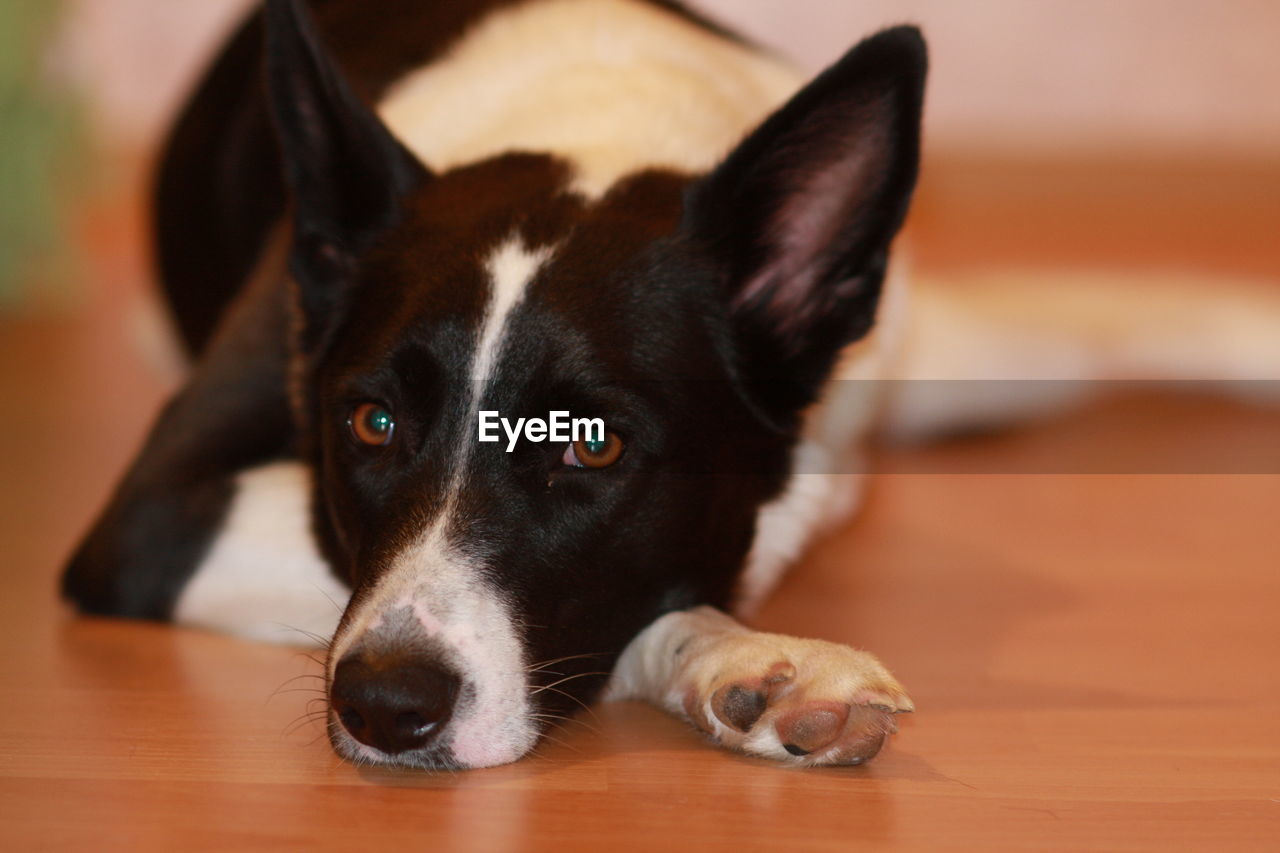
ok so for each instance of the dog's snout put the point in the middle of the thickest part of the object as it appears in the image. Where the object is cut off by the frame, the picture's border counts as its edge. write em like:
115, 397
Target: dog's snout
393, 705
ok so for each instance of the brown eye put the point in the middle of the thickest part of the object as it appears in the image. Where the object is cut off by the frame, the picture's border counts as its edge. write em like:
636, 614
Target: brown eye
372, 424
594, 453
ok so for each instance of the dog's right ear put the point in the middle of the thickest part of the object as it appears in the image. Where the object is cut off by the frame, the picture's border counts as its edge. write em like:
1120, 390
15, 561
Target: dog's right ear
801, 216
347, 173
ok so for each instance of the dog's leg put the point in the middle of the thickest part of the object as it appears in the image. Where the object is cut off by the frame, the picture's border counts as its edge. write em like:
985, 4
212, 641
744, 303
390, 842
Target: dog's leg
801, 701
199, 526
1027, 345
263, 577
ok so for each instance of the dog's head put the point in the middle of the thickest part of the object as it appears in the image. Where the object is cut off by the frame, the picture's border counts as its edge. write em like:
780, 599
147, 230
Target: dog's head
696, 315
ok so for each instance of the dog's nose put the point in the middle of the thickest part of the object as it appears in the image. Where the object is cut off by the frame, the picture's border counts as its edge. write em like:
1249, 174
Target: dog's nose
392, 705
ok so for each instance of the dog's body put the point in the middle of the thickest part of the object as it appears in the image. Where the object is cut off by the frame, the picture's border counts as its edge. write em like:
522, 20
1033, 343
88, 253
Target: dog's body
557, 210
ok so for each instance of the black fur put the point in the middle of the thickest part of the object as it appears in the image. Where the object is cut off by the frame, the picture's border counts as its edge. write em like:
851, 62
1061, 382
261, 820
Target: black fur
348, 177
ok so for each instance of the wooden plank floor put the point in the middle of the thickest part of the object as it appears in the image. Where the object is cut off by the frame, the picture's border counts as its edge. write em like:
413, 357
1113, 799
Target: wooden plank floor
1095, 658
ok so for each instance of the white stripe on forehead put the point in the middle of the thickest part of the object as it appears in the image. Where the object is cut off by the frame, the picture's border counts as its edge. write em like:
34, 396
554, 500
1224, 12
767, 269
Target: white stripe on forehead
510, 269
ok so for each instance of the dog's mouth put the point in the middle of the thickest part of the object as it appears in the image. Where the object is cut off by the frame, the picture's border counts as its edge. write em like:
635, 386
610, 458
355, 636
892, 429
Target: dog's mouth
401, 709
423, 717
432, 758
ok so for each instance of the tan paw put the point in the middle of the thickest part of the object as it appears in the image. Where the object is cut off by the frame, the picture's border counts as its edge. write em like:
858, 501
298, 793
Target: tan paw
801, 701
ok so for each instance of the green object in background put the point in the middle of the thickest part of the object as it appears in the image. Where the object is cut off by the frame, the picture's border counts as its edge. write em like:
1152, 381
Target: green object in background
39, 138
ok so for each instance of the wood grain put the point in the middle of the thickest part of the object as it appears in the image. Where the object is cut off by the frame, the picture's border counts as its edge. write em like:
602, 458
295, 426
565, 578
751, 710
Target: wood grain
1095, 658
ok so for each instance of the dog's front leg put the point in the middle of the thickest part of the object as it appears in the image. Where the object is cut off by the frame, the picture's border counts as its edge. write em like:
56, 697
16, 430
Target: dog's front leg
802, 701
211, 525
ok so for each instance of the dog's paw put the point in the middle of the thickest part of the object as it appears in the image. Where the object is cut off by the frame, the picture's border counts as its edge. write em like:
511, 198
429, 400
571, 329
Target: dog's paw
804, 702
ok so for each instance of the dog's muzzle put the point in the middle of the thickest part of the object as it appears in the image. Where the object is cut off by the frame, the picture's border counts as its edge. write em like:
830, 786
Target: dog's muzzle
429, 672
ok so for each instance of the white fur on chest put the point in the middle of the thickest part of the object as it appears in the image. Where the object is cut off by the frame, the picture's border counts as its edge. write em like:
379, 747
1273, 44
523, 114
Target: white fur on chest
611, 85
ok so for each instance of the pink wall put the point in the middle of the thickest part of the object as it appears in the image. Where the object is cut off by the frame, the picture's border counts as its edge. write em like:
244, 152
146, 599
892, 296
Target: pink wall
1038, 75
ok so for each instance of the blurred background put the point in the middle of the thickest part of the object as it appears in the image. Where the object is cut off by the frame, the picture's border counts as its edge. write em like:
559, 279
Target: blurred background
1047, 75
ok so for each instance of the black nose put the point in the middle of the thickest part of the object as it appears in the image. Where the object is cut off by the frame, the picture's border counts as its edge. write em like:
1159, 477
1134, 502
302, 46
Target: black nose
393, 705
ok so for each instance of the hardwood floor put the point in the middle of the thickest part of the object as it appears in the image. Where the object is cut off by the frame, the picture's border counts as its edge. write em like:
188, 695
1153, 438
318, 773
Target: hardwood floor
1095, 658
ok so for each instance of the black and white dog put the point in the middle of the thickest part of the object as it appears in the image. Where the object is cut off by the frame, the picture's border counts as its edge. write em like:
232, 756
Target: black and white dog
553, 208
603, 207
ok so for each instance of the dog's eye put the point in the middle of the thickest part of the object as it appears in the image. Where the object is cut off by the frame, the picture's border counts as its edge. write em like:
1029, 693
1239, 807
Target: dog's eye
372, 424
593, 453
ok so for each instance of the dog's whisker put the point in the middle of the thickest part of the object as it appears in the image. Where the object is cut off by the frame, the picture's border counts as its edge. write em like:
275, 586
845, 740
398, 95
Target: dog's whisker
303, 677
284, 687
317, 661
310, 712
300, 677
296, 725
558, 719
323, 734
336, 606
572, 676
583, 705
557, 741
316, 690
540, 667
550, 715
315, 638
566, 679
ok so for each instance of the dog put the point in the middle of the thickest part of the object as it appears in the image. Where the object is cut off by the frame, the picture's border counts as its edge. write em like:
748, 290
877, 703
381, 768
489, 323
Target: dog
378, 224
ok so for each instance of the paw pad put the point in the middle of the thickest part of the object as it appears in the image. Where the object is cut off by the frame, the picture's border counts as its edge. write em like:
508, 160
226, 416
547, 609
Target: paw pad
811, 727
741, 704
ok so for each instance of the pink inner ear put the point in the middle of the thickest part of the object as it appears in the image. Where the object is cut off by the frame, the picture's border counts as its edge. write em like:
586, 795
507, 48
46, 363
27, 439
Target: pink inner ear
819, 207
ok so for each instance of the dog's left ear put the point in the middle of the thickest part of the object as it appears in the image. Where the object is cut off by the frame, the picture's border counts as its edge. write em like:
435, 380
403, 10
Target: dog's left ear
801, 215
347, 173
